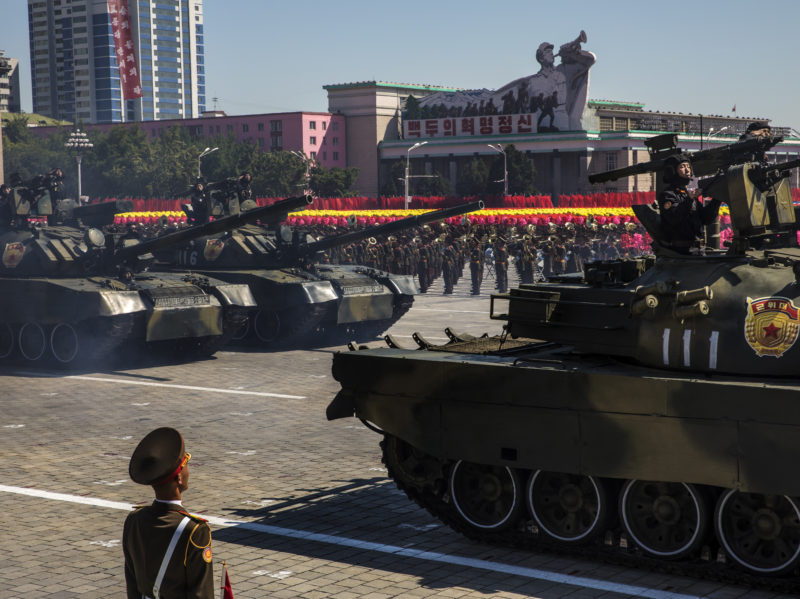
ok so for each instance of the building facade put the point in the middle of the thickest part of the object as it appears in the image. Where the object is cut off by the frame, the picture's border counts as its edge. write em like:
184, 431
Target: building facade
372, 111
611, 135
9, 84
320, 136
75, 65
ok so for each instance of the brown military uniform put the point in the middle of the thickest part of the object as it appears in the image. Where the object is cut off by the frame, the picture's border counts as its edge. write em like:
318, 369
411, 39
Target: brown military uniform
145, 539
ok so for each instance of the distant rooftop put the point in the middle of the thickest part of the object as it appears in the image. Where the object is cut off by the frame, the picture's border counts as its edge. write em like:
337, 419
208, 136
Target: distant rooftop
408, 86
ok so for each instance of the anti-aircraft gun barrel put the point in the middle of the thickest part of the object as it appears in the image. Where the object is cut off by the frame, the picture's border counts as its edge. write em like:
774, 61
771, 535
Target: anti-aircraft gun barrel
267, 214
704, 162
387, 228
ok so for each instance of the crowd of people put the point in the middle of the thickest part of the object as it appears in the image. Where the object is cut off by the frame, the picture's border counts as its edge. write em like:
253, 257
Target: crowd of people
535, 252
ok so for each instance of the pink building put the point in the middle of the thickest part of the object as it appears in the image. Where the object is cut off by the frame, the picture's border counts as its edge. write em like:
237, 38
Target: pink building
318, 135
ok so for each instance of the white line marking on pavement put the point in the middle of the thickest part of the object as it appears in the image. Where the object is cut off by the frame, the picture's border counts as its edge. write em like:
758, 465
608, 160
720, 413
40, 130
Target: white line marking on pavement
450, 311
171, 386
112, 543
469, 562
14, 426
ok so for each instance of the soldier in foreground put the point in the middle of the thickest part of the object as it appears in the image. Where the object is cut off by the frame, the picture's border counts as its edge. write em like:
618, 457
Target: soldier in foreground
167, 550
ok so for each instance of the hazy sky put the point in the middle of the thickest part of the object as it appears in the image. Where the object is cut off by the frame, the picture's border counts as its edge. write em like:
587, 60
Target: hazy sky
703, 56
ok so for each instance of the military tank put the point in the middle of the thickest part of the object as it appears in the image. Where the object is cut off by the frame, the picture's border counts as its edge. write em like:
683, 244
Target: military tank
74, 294
301, 301
646, 412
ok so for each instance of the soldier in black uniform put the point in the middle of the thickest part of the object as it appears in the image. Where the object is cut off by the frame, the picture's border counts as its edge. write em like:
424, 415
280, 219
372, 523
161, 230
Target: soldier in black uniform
501, 265
682, 214
167, 550
476, 267
6, 201
200, 202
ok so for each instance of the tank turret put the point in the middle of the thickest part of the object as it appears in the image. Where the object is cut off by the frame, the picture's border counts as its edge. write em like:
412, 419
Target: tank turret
646, 411
301, 300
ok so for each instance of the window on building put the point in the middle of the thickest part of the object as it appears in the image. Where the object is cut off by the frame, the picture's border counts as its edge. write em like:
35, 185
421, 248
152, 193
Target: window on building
336, 141
336, 155
312, 155
276, 126
245, 128
276, 142
335, 125
312, 124
312, 141
611, 161
620, 124
324, 141
230, 128
324, 155
324, 125
606, 123
261, 126
260, 142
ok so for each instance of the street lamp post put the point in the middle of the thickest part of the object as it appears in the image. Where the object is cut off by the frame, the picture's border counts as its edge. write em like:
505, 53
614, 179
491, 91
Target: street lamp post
79, 143
408, 164
711, 132
500, 149
205, 152
307, 163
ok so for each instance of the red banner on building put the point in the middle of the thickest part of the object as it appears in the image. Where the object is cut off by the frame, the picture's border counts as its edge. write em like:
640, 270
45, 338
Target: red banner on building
126, 52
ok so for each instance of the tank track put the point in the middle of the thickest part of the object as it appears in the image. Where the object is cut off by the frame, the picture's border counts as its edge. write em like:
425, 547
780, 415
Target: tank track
427, 487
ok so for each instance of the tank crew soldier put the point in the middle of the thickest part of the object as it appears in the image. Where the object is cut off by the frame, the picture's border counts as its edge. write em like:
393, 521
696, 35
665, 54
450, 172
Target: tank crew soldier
56, 185
167, 550
245, 192
755, 130
682, 214
200, 201
476, 267
501, 266
6, 200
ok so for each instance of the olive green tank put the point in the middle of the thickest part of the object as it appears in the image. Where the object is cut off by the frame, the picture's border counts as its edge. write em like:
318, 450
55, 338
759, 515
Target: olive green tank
300, 301
649, 410
74, 295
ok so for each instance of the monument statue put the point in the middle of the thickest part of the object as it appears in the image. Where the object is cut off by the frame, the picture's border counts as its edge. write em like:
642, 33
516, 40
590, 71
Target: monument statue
557, 95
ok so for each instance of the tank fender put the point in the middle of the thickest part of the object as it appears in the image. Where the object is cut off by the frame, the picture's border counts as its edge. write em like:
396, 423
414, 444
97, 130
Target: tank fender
400, 284
121, 302
342, 406
234, 295
318, 292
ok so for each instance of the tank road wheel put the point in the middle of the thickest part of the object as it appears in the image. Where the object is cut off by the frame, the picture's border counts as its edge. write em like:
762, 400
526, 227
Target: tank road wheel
760, 532
572, 508
32, 341
7, 340
267, 325
666, 520
485, 497
409, 466
64, 343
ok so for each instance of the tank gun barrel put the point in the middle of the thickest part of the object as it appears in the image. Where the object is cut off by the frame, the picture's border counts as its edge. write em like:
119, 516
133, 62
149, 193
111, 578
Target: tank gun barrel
388, 228
267, 214
704, 162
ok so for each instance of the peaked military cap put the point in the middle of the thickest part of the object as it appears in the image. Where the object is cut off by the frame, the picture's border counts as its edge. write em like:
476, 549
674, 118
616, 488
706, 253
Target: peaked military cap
756, 125
158, 457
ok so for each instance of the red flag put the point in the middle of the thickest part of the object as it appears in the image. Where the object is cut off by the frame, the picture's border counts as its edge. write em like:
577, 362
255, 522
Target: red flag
126, 53
227, 591
734, 108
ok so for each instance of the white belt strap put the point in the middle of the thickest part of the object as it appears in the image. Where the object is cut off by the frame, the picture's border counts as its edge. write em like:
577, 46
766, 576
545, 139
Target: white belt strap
170, 550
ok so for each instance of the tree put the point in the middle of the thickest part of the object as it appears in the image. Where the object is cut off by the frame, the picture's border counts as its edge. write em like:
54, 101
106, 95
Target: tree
393, 185
436, 185
412, 109
333, 182
473, 178
521, 173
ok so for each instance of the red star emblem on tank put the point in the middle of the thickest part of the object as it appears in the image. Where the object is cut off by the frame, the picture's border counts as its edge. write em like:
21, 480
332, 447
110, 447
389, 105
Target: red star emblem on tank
213, 249
13, 253
771, 325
